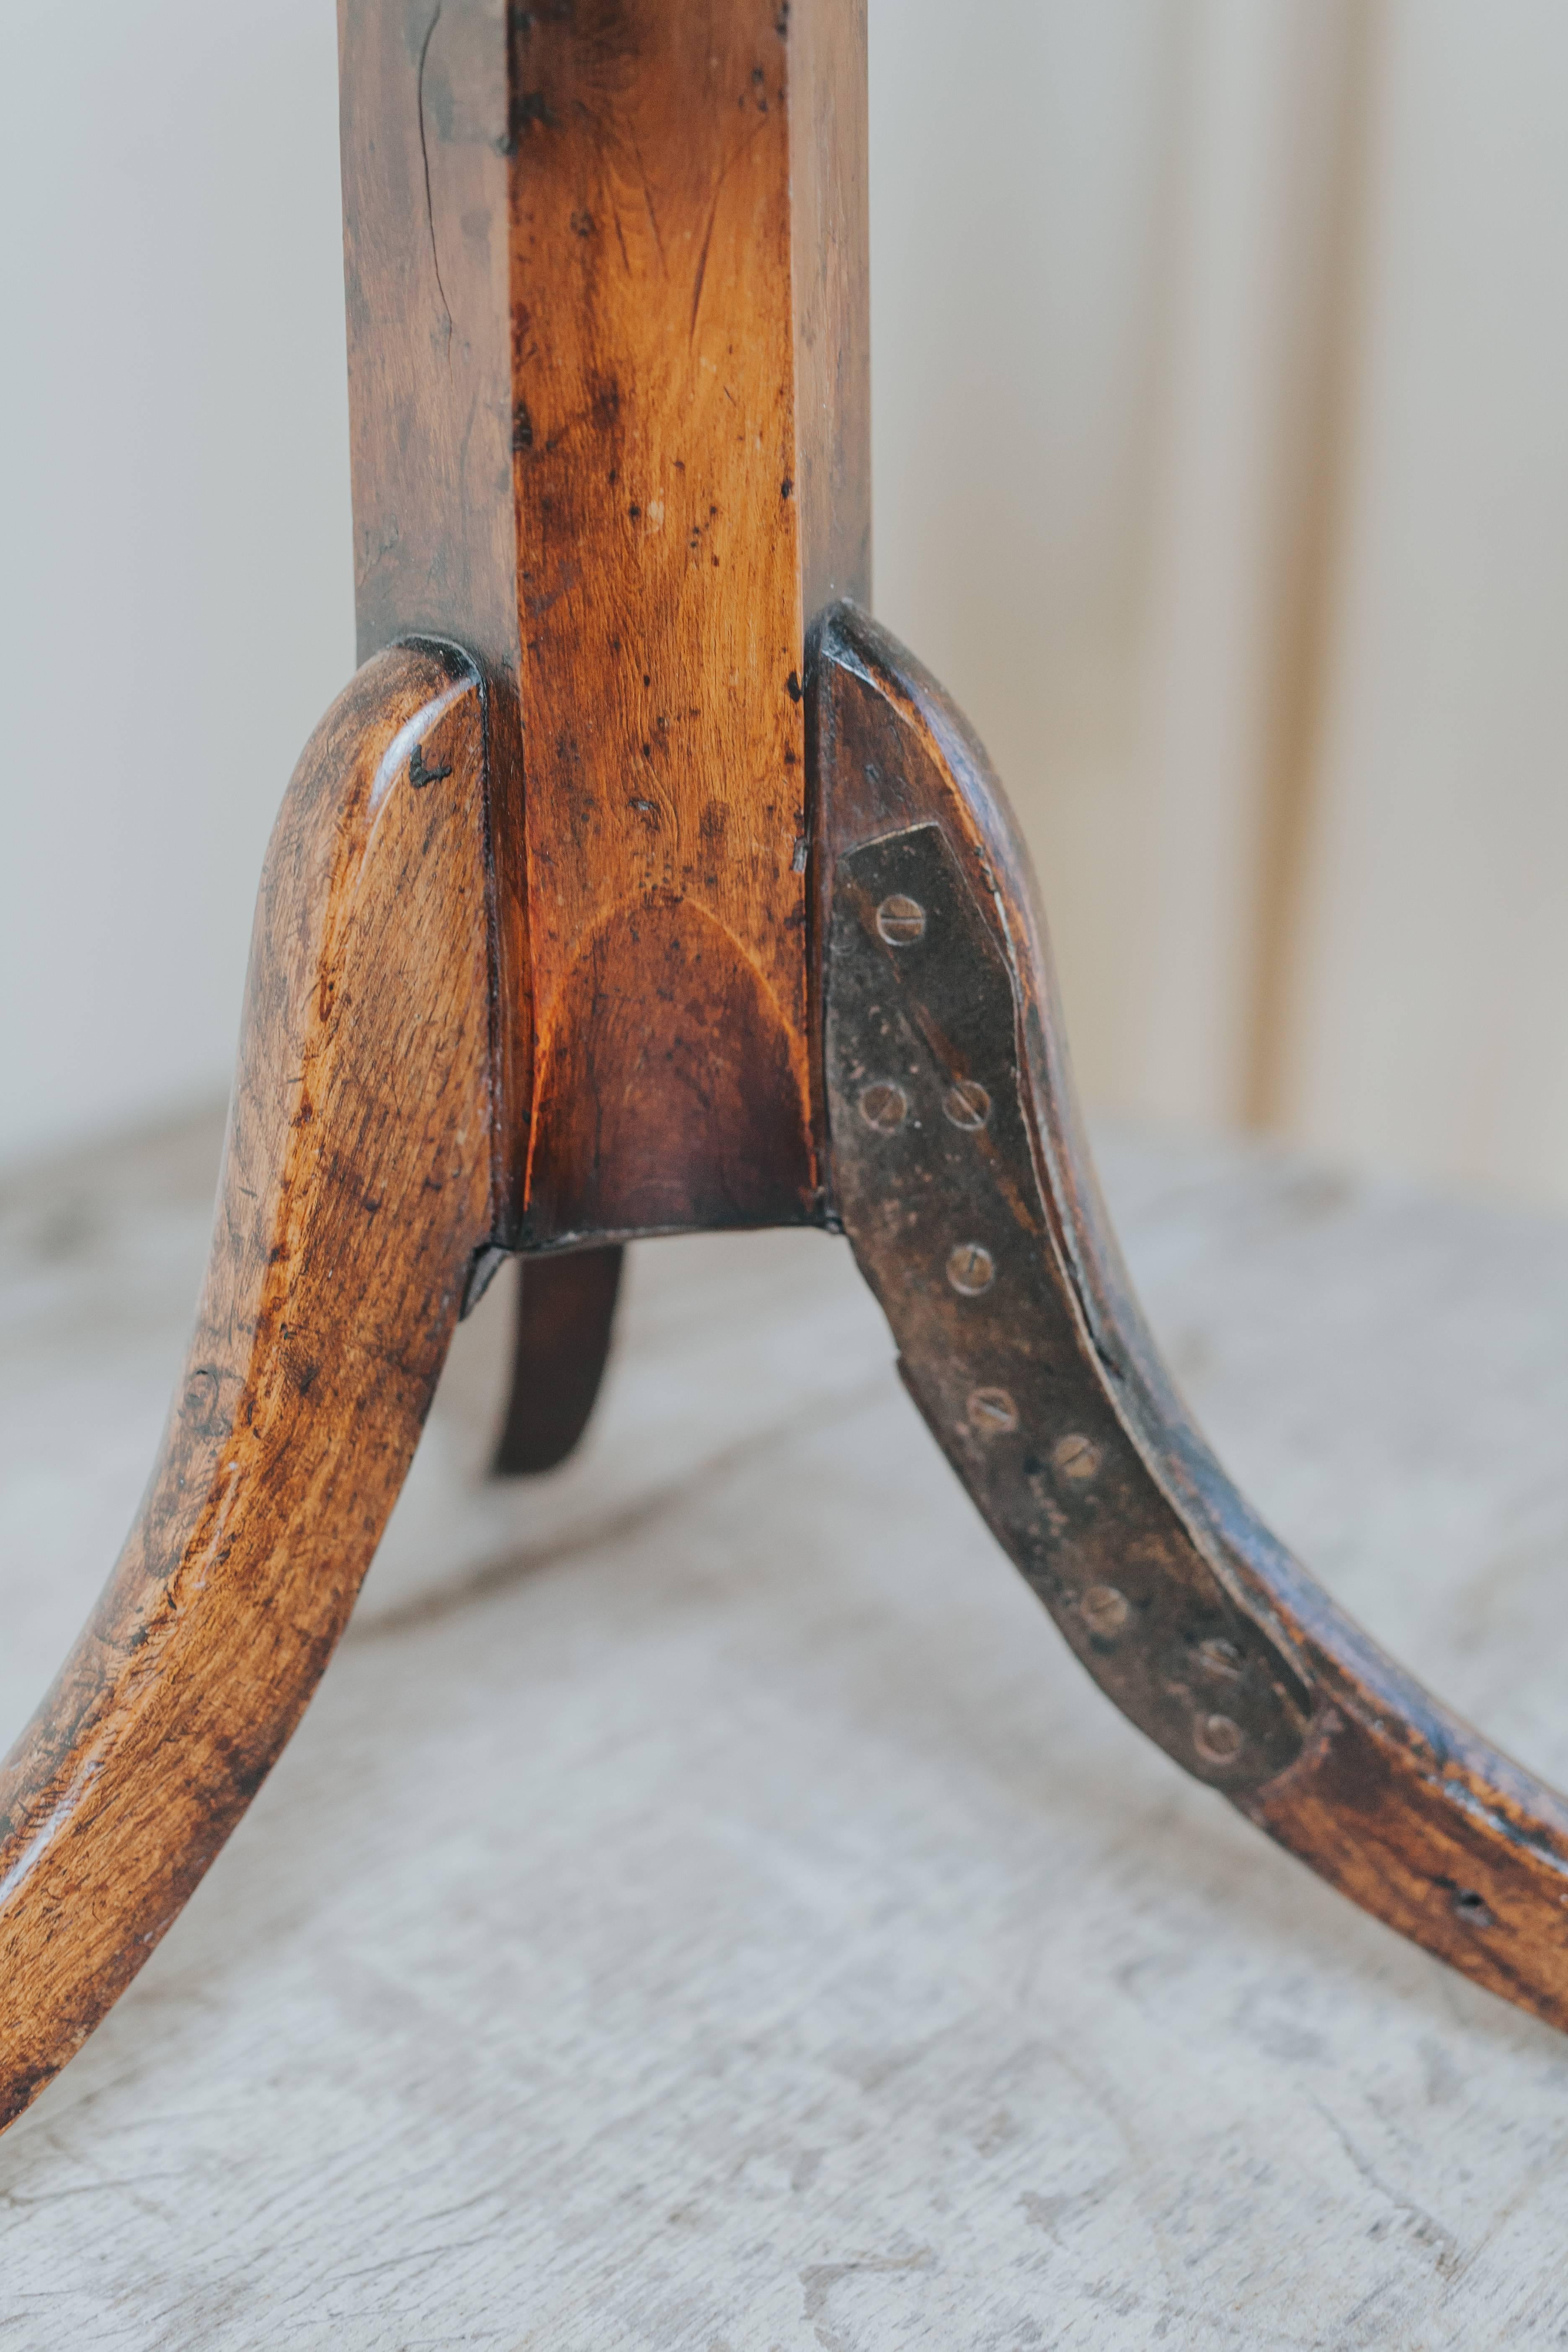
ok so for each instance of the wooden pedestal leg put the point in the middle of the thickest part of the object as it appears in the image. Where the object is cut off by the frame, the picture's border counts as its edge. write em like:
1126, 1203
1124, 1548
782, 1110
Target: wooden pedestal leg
565, 1314
963, 1181
356, 1188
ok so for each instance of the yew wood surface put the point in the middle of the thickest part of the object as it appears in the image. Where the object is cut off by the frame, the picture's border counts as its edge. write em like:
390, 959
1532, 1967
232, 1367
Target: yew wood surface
1393, 1799
661, 573
356, 1184
609, 395
424, 138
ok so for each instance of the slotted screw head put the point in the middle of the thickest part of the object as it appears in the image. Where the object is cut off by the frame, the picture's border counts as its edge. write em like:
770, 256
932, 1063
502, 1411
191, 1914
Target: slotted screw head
967, 1105
902, 921
1075, 1456
1216, 1738
1220, 1660
992, 1412
883, 1105
1104, 1610
971, 1268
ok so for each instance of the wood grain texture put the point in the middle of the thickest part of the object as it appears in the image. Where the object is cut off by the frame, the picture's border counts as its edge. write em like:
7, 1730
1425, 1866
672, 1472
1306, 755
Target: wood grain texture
706, 1904
357, 1183
660, 452
608, 374
423, 97
1393, 1799
425, 117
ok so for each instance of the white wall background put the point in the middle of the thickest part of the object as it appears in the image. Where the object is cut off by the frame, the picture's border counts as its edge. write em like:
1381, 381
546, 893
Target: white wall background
177, 591
1221, 417
1222, 434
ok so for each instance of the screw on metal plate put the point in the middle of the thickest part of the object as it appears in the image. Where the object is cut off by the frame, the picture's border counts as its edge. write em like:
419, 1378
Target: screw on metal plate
956, 1229
1104, 1610
902, 921
1217, 1738
992, 1412
883, 1106
1075, 1456
971, 1270
966, 1104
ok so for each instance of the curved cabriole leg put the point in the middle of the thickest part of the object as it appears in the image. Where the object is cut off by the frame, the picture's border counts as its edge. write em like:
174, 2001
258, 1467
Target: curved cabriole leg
355, 1188
963, 1181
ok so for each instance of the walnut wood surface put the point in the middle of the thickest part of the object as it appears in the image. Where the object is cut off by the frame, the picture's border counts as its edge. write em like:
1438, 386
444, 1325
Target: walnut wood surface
356, 1184
608, 336
1389, 1797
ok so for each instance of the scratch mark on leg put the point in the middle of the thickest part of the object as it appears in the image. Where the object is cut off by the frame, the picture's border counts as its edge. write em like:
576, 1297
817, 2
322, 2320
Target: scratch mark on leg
727, 168
620, 233
702, 266
425, 159
648, 200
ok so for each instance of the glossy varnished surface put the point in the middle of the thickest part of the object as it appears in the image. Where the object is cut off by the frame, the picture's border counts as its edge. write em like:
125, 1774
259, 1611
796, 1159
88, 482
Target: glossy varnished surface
357, 1183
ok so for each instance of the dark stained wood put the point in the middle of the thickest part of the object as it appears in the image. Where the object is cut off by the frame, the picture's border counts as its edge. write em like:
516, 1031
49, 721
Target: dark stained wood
1388, 1796
608, 338
357, 1183
937, 1181
565, 1313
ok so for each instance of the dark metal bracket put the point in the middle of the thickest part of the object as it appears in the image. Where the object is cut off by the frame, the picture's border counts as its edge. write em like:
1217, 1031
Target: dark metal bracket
944, 1206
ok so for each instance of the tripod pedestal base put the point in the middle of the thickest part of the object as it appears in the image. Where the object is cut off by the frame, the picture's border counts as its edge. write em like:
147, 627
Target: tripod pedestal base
734, 1761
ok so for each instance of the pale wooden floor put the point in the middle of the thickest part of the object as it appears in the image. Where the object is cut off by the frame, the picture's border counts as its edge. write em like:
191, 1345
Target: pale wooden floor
707, 1909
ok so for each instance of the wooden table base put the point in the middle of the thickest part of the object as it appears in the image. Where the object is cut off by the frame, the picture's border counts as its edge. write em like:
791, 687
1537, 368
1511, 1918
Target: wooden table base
638, 884
706, 1903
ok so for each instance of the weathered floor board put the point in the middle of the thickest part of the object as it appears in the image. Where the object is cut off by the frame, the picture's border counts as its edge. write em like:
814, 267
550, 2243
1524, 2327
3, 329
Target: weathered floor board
706, 1908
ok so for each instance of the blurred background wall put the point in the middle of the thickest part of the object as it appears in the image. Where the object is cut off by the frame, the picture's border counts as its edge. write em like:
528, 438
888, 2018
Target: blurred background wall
1221, 419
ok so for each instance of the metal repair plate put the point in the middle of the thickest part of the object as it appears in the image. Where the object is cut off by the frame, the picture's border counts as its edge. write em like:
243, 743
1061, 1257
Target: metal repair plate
939, 1192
